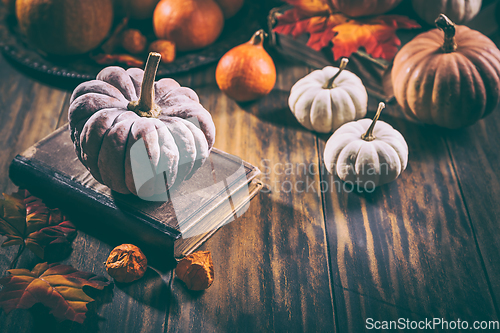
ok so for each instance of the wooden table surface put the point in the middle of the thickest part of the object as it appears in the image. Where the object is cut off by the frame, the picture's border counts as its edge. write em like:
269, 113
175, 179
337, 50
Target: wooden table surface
424, 246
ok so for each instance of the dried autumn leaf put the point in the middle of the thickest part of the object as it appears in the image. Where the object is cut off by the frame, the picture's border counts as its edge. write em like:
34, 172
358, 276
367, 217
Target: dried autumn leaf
58, 287
26, 221
377, 35
196, 270
110, 59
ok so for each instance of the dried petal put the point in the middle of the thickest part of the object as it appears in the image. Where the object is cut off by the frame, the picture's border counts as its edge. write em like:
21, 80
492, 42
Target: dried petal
196, 270
126, 263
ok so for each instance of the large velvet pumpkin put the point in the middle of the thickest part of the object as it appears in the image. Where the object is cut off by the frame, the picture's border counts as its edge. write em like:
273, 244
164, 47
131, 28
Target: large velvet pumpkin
449, 79
107, 118
357, 8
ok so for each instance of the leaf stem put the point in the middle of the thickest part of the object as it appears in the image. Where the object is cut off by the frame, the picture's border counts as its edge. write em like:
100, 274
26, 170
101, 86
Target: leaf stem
16, 258
368, 136
343, 64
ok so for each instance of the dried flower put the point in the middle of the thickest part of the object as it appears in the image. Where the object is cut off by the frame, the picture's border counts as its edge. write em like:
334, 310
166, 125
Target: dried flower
164, 47
126, 263
196, 270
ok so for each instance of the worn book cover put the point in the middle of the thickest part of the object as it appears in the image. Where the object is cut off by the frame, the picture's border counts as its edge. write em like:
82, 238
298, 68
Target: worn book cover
217, 193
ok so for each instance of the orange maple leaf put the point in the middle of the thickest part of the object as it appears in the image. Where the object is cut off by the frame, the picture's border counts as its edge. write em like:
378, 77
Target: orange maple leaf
377, 35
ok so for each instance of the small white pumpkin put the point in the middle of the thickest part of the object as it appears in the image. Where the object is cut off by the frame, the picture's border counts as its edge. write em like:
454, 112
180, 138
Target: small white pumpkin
368, 155
325, 99
459, 11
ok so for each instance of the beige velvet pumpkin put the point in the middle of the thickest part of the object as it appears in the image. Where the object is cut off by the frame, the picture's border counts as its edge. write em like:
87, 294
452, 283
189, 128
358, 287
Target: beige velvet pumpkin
327, 98
366, 153
107, 118
459, 11
448, 79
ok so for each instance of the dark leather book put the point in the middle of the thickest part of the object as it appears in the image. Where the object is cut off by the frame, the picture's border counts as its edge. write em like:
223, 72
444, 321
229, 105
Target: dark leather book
216, 194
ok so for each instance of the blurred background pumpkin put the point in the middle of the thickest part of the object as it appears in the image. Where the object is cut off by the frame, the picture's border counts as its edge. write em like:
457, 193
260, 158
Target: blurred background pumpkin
65, 27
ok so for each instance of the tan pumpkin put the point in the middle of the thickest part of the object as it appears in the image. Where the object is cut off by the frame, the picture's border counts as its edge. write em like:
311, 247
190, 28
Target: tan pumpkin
107, 118
65, 27
448, 78
190, 24
357, 8
459, 11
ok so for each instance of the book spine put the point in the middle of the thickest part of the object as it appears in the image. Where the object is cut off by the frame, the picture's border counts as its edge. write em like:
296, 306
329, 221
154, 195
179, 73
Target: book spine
89, 210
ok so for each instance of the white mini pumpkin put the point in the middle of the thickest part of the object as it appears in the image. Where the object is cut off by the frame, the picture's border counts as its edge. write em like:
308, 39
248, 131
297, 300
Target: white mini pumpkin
459, 11
365, 154
325, 99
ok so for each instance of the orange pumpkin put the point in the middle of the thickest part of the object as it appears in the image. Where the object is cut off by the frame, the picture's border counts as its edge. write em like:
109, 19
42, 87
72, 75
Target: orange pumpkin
190, 24
357, 8
246, 72
451, 79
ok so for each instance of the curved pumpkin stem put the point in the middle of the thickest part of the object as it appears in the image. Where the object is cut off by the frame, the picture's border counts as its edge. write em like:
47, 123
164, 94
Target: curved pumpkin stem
258, 37
368, 136
145, 106
343, 64
448, 27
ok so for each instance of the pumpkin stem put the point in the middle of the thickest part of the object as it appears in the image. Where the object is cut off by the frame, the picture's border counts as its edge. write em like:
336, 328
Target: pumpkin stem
145, 106
368, 136
343, 64
448, 27
258, 37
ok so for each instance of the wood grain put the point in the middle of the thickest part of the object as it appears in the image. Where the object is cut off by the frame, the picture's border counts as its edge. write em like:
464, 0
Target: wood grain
409, 244
475, 152
29, 111
271, 272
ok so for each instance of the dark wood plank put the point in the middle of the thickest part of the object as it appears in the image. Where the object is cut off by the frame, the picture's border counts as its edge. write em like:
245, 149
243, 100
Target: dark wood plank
29, 111
271, 264
408, 244
476, 157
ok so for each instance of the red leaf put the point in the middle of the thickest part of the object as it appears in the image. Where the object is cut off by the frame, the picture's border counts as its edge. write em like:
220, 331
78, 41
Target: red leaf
58, 287
25, 219
377, 35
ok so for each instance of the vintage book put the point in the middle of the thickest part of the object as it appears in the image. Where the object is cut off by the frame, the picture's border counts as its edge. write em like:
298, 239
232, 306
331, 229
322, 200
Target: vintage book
216, 193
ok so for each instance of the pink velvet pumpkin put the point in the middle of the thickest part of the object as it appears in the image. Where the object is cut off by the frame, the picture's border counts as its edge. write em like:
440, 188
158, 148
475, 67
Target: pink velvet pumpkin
107, 116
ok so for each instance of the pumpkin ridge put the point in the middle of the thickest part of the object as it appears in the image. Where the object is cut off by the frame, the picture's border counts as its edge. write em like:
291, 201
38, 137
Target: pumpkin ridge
119, 78
91, 86
96, 174
118, 185
386, 157
182, 142
399, 152
484, 65
374, 159
88, 105
476, 93
415, 92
